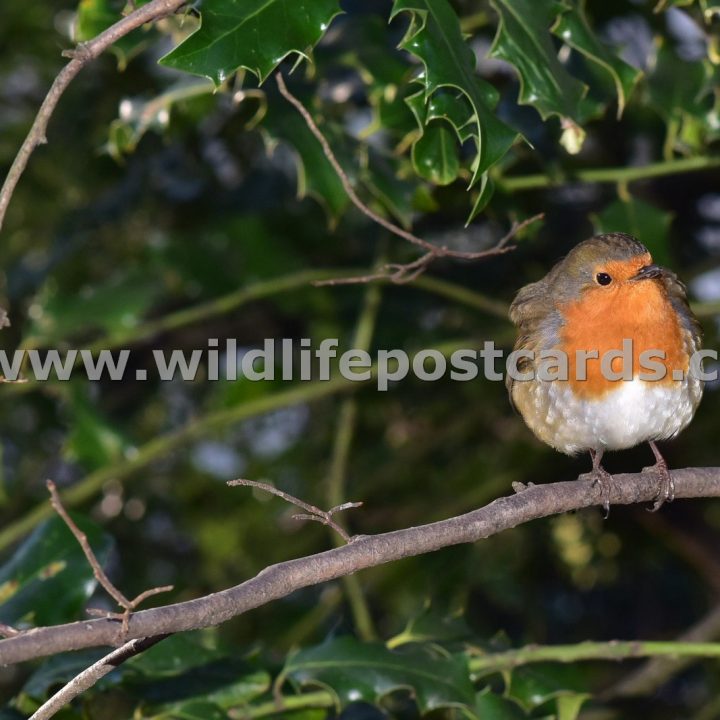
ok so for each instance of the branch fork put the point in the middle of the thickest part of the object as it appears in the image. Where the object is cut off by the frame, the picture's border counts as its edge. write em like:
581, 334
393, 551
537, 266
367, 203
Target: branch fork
397, 273
311, 511
125, 603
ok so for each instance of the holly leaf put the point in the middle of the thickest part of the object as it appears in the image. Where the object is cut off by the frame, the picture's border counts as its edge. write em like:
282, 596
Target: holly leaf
683, 93
355, 671
490, 706
395, 194
92, 440
468, 102
253, 34
58, 670
315, 175
116, 307
48, 579
569, 705
573, 28
524, 40
533, 686
435, 155
432, 626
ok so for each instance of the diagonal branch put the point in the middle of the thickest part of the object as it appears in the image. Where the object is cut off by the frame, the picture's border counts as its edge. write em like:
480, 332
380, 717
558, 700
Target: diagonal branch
127, 605
397, 273
278, 581
88, 677
79, 58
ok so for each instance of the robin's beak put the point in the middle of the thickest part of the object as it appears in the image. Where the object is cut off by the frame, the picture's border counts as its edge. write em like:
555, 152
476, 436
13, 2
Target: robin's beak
649, 272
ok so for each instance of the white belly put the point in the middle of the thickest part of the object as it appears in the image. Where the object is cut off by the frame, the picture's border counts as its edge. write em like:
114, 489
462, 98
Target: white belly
635, 412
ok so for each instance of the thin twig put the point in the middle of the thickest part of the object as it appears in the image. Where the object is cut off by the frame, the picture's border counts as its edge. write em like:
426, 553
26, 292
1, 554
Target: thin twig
81, 56
344, 179
400, 273
88, 677
395, 272
280, 580
127, 605
81, 537
311, 511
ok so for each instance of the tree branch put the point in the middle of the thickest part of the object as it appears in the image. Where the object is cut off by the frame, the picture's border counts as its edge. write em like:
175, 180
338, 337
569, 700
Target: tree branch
280, 580
125, 603
79, 58
88, 677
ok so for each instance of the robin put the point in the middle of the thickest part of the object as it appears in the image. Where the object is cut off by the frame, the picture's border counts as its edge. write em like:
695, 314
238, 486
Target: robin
604, 294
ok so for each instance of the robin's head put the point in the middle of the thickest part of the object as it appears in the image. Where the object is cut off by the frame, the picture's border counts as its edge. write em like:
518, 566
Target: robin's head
602, 265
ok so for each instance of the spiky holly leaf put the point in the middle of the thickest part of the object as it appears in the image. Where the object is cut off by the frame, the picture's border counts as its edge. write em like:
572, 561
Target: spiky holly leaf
355, 671
468, 102
573, 28
48, 579
524, 40
315, 175
435, 155
253, 34
534, 686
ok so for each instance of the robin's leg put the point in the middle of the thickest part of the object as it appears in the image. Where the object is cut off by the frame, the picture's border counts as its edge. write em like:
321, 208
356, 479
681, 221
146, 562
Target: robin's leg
666, 486
599, 476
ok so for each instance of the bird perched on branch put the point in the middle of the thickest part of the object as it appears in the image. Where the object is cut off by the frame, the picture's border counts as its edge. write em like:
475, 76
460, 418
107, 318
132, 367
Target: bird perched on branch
605, 292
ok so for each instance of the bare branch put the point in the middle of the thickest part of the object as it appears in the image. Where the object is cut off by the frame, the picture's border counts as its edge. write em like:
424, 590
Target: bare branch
311, 511
87, 678
127, 605
277, 581
80, 56
394, 272
344, 179
400, 273
81, 537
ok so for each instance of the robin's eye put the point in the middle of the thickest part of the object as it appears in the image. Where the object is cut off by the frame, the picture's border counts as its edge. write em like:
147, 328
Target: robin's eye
603, 279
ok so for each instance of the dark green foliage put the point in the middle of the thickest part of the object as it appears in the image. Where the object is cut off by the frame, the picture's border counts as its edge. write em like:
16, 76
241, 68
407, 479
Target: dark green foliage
186, 201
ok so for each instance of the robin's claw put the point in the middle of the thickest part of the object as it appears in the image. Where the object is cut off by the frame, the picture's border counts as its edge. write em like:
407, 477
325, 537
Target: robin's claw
666, 484
602, 478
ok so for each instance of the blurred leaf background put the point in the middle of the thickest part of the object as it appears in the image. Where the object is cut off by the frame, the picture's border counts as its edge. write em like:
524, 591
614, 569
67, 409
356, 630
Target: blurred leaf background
185, 200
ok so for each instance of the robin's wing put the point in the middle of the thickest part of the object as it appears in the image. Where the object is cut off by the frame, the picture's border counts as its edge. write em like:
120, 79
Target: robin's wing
677, 293
528, 312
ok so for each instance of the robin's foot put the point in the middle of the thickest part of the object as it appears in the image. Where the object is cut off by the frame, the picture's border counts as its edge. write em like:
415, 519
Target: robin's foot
666, 485
601, 477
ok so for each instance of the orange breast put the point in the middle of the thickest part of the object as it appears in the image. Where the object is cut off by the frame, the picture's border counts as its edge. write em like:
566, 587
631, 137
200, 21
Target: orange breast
603, 317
